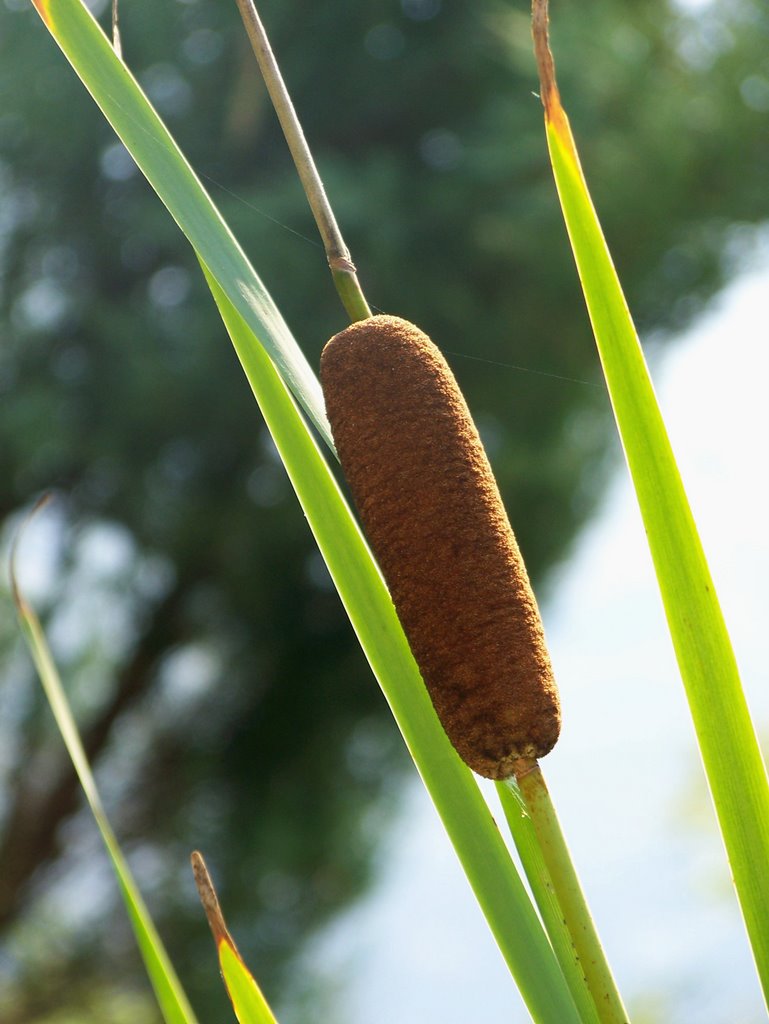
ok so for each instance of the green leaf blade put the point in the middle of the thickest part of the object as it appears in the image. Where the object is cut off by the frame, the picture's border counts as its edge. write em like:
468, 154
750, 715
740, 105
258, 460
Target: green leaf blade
247, 998
149, 142
726, 736
171, 998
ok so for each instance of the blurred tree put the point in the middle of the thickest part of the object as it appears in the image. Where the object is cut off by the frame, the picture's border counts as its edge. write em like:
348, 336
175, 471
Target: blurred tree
219, 687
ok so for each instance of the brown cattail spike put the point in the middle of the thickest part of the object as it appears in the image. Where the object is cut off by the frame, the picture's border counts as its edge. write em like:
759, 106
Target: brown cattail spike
432, 512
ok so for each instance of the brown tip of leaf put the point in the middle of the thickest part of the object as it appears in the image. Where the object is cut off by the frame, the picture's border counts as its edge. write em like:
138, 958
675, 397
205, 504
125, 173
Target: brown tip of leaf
42, 10
551, 99
209, 899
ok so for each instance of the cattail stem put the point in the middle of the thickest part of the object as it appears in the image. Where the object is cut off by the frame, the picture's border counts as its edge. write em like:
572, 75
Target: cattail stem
337, 253
349, 290
530, 783
543, 890
116, 43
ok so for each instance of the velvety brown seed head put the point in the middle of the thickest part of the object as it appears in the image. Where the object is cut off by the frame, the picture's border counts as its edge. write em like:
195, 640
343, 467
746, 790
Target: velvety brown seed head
431, 509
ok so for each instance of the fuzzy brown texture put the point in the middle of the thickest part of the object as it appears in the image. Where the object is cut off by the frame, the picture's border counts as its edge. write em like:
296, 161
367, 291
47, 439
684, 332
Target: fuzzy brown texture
431, 509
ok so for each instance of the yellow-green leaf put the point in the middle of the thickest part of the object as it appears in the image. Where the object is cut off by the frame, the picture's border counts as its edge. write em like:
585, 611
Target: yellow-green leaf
168, 990
727, 739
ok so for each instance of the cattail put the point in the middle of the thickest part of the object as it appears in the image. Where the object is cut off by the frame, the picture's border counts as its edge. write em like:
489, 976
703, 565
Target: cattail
431, 509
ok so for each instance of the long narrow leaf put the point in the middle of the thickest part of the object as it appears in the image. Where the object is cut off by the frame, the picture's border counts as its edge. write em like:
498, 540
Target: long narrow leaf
170, 995
247, 998
727, 739
451, 785
150, 144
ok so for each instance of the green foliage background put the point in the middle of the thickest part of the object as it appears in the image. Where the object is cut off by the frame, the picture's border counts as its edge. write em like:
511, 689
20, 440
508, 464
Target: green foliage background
179, 550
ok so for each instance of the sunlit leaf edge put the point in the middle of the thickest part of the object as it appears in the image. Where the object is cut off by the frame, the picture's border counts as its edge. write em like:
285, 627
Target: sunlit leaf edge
725, 732
171, 998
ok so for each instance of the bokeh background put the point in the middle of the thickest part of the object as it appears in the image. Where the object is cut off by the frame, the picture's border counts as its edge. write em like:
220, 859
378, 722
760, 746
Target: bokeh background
222, 697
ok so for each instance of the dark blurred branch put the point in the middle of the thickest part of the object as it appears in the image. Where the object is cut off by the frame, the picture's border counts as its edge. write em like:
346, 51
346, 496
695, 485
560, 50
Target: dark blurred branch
29, 838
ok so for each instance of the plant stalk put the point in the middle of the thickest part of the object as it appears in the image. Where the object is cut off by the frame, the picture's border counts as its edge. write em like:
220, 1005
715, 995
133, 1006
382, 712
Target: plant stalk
338, 255
116, 42
543, 890
568, 890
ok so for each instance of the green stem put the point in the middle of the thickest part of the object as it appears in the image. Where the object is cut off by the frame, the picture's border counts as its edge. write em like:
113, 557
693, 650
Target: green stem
116, 44
543, 890
349, 291
571, 899
337, 253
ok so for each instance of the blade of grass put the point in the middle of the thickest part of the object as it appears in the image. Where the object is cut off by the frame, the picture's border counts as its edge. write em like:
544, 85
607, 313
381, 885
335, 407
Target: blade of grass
159, 158
170, 995
451, 785
247, 998
728, 744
